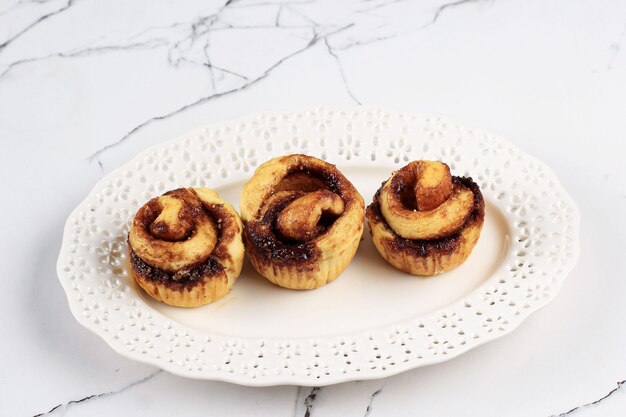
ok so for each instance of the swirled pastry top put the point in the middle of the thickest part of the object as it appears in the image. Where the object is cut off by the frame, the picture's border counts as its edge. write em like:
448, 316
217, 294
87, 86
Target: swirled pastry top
422, 202
183, 227
297, 207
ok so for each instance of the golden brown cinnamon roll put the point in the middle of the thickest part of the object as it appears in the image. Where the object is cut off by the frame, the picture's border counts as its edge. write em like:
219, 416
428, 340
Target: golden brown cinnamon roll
303, 221
424, 221
185, 247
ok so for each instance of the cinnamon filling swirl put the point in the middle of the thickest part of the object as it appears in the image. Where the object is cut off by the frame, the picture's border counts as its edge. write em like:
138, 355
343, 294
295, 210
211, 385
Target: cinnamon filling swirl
296, 212
425, 221
186, 241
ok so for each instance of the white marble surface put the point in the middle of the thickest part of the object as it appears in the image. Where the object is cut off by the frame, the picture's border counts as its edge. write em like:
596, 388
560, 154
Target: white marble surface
86, 84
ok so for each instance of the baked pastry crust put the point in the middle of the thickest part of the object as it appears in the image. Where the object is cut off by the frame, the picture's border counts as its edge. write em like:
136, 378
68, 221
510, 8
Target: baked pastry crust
186, 247
424, 221
303, 221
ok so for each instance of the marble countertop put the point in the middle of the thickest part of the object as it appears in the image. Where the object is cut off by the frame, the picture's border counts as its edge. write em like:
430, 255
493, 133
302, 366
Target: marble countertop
87, 84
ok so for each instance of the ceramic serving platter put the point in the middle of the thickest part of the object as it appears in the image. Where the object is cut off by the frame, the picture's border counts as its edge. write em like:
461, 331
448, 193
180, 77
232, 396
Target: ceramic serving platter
373, 321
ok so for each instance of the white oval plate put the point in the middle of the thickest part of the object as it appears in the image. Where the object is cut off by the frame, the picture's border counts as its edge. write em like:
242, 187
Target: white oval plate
372, 322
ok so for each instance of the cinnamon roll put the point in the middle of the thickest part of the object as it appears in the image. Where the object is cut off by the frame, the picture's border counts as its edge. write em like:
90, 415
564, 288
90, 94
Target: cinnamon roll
424, 221
185, 247
303, 221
